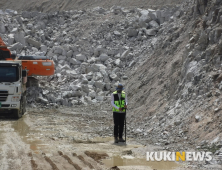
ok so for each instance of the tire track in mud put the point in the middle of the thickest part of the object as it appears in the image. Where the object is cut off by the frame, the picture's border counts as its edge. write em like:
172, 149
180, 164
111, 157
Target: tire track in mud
54, 167
33, 164
70, 161
80, 157
96, 156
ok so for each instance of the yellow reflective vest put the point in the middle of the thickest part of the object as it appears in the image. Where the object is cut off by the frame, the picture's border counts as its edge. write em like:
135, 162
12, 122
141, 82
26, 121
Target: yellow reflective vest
120, 103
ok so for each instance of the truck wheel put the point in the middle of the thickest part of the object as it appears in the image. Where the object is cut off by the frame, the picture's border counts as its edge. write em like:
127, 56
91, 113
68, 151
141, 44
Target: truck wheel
18, 113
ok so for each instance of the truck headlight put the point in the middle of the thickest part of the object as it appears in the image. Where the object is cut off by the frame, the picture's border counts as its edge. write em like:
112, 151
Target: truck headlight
15, 98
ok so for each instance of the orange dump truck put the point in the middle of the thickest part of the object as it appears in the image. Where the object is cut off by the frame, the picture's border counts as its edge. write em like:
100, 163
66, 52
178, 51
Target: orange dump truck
35, 65
13, 76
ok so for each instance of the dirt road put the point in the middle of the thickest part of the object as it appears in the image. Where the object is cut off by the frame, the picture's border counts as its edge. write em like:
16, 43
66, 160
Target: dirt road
68, 139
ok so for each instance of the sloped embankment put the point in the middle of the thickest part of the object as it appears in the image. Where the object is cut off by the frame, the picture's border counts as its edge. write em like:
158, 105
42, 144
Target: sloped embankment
176, 92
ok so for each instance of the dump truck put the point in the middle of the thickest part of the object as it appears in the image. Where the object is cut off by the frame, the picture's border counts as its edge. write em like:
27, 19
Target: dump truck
15, 75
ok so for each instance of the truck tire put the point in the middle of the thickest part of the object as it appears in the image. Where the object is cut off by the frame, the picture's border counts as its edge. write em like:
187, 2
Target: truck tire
18, 113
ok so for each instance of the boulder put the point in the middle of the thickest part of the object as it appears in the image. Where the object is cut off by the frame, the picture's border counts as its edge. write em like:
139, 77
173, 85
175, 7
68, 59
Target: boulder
132, 32
144, 20
99, 98
80, 57
26, 14
92, 94
61, 57
117, 33
77, 94
16, 46
154, 24
85, 88
2, 28
103, 57
118, 62
11, 39
33, 42
113, 76
69, 54
99, 84
125, 54
20, 37
71, 73
43, 48
151, 32
42, 100
99, 10
74, 61
66, 67
58, 50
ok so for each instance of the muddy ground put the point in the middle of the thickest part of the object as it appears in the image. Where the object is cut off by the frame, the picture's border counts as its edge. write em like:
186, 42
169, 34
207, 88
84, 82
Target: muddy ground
70, 138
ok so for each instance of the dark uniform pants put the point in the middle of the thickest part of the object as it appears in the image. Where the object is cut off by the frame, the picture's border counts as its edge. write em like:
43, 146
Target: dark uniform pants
118, 119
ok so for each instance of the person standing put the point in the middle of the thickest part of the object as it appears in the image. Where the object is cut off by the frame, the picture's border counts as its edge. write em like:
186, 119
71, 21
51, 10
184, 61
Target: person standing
119, 103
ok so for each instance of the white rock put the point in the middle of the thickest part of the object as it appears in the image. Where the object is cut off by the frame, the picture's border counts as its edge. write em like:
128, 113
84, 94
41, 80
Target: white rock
33, 42
99, 50
71, 73
99, 84
69, 53
97, 76
74, 61
125, 54
66, 67
85, 88
144, 20
154, 24
98, 67
43, 48
92, 94
118, 62
117, 33
61, 57
113, 76
11, 39
132, 63
58, 50
151, 32
55, 58
14, 30
2, 27
16, 46
99, 98
42, 100
20, 37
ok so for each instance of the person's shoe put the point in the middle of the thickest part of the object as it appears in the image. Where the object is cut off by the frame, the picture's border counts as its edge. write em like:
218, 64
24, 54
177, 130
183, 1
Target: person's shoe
121, 140
116, 140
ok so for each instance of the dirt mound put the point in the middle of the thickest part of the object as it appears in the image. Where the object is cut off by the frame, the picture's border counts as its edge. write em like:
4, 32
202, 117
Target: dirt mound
60, 5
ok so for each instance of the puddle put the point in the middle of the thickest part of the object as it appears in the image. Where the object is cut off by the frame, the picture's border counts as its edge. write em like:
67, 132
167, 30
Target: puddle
120, 161
102, 139
28, 136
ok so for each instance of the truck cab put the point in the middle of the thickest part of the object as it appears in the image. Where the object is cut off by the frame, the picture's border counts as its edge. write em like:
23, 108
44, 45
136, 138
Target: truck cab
12, 88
